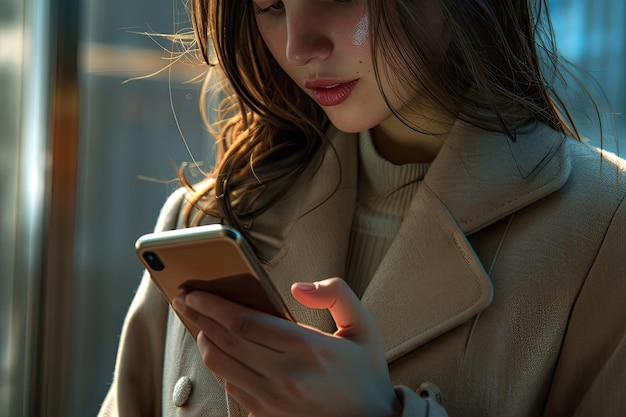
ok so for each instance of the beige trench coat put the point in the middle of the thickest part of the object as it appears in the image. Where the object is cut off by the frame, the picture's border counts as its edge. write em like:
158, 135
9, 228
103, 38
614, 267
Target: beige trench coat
505, 287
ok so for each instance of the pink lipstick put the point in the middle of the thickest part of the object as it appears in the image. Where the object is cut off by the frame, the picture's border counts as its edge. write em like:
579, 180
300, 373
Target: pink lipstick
331, 93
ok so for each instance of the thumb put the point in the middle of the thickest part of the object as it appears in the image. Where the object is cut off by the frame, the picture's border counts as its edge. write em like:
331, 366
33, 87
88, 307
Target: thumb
334, 294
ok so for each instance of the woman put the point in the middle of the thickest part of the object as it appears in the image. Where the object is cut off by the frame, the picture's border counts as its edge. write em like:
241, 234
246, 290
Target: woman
415, 188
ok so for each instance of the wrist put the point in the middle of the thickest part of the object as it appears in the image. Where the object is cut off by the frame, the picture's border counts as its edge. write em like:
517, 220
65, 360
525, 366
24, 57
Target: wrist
396, 406
393, 406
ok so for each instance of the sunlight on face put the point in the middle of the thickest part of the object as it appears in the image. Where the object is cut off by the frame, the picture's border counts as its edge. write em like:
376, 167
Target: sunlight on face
325, 48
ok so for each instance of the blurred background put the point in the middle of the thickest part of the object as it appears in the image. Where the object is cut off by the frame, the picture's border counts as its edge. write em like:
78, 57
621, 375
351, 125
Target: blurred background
87, 159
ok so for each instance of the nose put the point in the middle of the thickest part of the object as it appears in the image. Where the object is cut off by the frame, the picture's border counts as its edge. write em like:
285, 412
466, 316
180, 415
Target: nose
308, 36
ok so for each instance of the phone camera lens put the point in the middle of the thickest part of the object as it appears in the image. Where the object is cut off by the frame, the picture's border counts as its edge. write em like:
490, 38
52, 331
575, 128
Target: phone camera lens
153, 261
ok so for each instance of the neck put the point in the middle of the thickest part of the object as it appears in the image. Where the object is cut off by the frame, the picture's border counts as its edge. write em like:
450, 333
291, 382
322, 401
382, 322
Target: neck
400, 144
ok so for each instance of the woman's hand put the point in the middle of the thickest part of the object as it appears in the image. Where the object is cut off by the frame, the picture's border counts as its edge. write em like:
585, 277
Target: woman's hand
274, 367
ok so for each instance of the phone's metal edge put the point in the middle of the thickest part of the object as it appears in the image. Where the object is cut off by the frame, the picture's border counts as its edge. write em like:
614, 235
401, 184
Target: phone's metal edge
145, 242
181, 235
264, 279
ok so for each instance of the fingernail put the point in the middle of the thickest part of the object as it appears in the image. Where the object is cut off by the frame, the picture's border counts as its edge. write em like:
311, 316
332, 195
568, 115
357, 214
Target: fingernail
179, 304
307, 286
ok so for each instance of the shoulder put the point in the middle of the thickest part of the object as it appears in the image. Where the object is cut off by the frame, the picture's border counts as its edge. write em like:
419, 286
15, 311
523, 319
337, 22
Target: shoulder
593, 353
596, 173
171, 214
594, 156
590, 198
586, 218
576, 226
170, 211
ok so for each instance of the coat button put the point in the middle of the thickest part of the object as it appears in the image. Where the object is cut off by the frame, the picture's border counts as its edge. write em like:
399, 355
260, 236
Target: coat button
428, 390
182, 391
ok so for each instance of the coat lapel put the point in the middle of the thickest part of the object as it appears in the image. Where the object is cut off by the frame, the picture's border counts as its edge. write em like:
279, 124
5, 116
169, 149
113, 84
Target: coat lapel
482, 176
431, 280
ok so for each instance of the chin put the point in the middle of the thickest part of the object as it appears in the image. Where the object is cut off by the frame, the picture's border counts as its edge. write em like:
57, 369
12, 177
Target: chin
350, 124
355, 118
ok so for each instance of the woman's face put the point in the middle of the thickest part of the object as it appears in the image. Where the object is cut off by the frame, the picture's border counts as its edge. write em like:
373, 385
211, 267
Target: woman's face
324, 46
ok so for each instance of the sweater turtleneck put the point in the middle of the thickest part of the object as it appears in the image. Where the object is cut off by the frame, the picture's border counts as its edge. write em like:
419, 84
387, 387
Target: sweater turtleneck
384, 193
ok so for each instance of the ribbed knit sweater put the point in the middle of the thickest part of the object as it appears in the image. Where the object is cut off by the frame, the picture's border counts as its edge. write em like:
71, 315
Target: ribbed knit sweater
384, 193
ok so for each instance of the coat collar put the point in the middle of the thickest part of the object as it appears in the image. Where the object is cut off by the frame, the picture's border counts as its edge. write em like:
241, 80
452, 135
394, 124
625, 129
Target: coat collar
482, 176
431, 280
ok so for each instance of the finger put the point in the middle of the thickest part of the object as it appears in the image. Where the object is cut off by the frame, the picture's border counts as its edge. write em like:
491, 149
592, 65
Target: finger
254, 390
263, 329
250, 365
228, 366
250, 402
334, 294
226, 339
240, 320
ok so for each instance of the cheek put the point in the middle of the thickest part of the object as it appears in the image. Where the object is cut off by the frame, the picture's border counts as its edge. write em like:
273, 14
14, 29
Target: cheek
275, 40
361, 32
351, 29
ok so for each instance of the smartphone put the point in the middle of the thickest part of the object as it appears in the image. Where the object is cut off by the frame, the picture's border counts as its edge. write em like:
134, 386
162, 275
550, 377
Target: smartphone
213, 258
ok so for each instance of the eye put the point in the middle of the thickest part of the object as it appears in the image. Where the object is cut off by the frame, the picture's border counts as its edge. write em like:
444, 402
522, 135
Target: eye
275, 9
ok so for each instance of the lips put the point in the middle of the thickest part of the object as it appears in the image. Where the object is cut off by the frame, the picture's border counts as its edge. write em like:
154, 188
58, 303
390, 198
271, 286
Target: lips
331, 93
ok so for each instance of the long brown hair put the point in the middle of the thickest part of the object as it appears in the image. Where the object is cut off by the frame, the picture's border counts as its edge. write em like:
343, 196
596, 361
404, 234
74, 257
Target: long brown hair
499, 66
496, 63
267, 130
